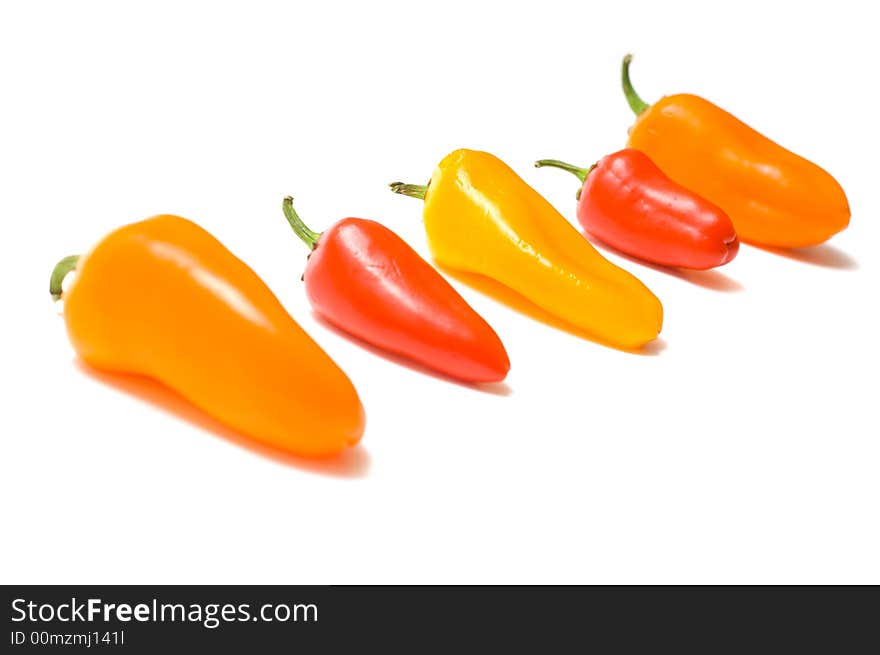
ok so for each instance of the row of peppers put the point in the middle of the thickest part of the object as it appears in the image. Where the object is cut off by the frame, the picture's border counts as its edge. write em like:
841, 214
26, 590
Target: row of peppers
165, 299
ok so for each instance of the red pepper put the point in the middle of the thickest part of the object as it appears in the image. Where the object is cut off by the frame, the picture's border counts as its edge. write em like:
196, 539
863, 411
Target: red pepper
630, 204
366, 280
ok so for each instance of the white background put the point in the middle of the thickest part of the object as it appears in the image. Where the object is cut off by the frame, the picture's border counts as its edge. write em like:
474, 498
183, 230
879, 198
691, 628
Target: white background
743, 448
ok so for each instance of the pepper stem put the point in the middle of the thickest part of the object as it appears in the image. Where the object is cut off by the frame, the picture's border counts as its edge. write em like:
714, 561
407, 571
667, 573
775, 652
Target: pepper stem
411, 190
635, 102
309, 237
580, 173
60, 272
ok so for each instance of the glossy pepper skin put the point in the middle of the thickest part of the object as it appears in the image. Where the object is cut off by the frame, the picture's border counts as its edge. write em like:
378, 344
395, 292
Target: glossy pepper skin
368, 281
630, 204
164, 299
774, 197
481, 217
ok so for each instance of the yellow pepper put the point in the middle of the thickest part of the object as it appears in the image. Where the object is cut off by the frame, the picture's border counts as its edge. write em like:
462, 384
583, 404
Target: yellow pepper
481, 217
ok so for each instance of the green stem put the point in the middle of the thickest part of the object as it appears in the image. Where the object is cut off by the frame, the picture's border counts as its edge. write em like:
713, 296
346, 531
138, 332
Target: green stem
635, 102
581, 173
411, 190
60, 272
309, 237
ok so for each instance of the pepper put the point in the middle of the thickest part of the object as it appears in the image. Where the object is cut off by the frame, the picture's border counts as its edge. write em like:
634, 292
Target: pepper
164, 299
481, 217
366, 280
774, 197
630, 204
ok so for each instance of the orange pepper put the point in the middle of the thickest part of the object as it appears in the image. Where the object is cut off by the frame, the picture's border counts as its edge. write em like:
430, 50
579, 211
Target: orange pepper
163, 298
773, 196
